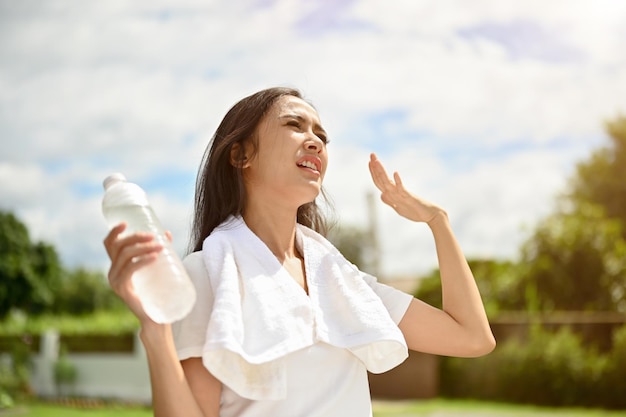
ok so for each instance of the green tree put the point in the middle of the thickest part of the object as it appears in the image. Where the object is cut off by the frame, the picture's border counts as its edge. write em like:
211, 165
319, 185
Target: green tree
576, 260
29, 273
83, 291
601, 180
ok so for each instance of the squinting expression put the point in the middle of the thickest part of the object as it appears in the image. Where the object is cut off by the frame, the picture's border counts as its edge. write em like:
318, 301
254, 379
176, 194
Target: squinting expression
291, 157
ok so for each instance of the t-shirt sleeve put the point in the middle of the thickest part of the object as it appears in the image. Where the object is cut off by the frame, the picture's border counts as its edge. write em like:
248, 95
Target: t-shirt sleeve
396, 302
190, 332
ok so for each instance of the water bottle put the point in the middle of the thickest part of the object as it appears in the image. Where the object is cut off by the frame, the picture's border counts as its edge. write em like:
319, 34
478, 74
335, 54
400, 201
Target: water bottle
164, 288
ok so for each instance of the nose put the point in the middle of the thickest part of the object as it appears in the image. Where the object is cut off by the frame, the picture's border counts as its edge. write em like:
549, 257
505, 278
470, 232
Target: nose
313, 143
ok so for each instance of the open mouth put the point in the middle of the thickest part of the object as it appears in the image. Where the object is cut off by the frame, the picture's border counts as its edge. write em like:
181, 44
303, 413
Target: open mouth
309, 164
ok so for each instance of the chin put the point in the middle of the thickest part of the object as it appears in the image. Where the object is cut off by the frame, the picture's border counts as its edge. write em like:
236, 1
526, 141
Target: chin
310, 197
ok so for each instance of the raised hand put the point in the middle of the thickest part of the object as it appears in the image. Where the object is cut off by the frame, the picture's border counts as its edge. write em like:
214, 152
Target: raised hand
397, 197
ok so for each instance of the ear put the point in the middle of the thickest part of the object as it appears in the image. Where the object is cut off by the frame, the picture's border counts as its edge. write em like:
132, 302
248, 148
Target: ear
239, 159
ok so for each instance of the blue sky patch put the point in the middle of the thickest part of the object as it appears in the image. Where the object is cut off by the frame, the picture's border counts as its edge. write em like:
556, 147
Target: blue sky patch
87, 189
177, 184
385, 131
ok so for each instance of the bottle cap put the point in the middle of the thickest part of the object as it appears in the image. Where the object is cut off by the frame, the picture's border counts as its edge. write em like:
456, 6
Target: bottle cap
113, 179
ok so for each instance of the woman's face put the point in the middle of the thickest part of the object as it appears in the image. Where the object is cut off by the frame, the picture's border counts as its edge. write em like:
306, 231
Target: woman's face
291, 157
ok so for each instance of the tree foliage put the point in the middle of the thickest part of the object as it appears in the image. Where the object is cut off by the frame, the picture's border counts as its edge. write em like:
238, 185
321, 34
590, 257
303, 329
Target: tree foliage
33, 280
576, 258
576, 261
30, 272
83, 292
601, 180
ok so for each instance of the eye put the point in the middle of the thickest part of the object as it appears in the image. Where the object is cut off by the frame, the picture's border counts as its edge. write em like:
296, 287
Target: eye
323, 138
294, 123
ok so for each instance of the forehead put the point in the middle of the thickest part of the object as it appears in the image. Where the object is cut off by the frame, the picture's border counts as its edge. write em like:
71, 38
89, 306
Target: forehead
294, 105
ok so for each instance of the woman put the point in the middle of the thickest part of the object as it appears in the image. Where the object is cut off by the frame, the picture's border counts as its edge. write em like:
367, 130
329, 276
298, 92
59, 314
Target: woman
283, 324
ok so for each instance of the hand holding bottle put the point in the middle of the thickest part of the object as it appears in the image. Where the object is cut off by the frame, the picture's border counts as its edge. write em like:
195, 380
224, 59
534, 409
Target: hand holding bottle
129, 254
145, 269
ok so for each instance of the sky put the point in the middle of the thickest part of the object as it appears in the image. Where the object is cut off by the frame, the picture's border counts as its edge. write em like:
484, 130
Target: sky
483, 107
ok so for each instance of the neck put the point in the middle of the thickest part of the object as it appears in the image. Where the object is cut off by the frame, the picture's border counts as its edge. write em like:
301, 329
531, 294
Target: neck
275, 226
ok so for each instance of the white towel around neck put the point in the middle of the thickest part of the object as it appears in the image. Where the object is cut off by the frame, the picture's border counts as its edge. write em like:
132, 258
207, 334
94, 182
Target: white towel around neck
260, 314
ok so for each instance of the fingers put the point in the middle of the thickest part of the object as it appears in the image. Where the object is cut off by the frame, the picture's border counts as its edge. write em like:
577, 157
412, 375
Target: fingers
395, 195
134, 251
398, 180
114, 243
379, 175
382, 181
112, 236
128, 254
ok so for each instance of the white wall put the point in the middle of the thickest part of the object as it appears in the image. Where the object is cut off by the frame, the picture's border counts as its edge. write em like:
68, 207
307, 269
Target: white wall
121, 376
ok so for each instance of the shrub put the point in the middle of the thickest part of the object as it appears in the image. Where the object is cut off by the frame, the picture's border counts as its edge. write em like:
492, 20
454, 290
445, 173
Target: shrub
14, 374
65, 373
113, 322
613, 387
6, 401
553, 369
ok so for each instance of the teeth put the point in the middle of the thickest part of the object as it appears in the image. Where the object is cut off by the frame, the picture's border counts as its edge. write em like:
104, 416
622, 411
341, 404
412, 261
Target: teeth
308, 164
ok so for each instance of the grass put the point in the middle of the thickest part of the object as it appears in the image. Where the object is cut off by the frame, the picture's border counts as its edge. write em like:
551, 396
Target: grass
423, 408
40, 409
468, 408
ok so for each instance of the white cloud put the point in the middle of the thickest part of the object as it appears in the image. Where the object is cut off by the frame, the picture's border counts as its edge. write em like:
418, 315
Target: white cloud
491, 135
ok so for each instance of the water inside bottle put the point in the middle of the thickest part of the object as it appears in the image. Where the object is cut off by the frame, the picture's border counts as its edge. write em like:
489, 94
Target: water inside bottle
138, 218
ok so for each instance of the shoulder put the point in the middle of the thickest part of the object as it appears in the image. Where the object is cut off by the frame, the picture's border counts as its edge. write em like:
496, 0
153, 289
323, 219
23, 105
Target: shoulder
229, 231
396, 301
198, 273
194, 264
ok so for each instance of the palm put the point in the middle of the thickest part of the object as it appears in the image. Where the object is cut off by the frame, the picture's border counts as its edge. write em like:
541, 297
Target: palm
396, 196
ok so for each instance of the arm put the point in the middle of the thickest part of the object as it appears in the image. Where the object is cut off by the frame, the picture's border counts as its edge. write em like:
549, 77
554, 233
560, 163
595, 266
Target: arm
178, 388
461, 327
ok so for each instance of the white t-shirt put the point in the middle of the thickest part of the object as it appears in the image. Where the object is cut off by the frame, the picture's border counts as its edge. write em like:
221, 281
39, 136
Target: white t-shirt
323, 380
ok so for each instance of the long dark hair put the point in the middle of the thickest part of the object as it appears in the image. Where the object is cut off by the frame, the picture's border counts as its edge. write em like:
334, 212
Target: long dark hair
220, 190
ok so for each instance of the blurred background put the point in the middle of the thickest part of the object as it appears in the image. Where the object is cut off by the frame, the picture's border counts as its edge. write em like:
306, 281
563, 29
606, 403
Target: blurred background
508, 114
